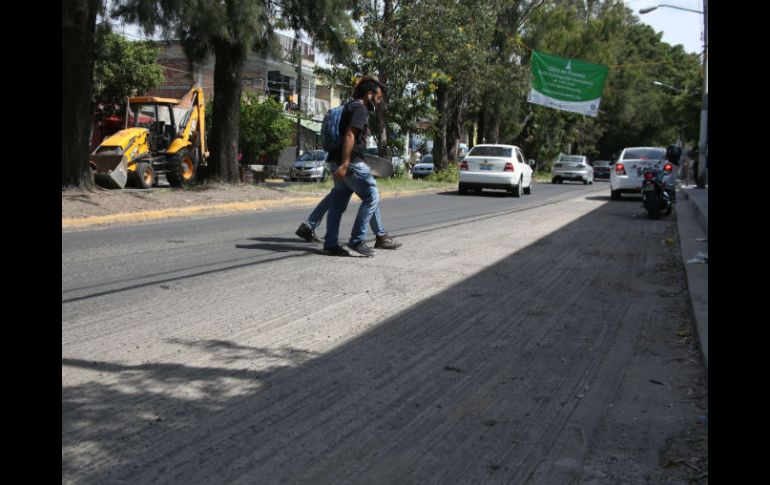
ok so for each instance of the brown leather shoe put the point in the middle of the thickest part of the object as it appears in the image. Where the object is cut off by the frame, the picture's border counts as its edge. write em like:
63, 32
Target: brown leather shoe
386, 242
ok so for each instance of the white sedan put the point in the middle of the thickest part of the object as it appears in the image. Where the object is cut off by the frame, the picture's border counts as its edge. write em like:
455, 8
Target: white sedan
626, 173
496, 167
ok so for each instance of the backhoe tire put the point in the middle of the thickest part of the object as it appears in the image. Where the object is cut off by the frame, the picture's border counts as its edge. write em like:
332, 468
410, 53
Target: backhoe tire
181, 169
145, 176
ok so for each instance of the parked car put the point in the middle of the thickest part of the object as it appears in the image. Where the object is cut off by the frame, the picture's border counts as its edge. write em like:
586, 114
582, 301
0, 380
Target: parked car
496, 167
572, 167
424, 168
626, 173
311, 165
602, 169
462, 151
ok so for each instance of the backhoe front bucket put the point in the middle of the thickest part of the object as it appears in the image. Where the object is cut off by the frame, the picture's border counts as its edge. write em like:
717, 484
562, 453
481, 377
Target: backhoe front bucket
111, 171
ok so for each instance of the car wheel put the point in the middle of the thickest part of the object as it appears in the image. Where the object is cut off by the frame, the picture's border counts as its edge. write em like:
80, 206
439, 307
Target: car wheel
614, 195
528, 190
554, 180
518, 189
462, 189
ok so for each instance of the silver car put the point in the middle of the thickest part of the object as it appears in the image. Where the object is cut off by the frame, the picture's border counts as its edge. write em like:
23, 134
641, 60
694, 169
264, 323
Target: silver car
424, 168
626, 173
311, 165
572, 167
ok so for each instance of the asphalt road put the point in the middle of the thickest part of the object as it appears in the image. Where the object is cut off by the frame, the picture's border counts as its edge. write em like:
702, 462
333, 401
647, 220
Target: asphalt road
544, 339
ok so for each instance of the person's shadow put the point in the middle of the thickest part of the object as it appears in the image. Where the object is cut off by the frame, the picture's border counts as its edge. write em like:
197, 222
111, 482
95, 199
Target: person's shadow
280, 245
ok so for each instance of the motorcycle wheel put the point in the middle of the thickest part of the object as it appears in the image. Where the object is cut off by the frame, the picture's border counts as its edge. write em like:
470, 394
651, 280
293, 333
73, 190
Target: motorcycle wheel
652, 204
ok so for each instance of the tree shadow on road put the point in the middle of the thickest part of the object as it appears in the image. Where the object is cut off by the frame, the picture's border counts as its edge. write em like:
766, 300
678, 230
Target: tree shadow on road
460, 387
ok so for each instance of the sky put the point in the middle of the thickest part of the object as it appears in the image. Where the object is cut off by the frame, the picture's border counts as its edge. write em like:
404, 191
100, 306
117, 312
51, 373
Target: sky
678, 26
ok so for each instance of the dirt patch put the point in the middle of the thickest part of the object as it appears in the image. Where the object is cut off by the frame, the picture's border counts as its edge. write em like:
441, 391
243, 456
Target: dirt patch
80, 203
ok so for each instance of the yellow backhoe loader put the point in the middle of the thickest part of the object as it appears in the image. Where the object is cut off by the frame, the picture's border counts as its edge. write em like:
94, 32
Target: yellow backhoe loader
159, 135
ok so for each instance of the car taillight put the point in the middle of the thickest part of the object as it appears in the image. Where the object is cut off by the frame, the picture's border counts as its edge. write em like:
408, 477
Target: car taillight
464, 166
620, 169
508, 167
667, 167
649, 175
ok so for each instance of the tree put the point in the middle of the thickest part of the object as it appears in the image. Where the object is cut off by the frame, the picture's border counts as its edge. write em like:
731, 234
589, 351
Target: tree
230, 29
122, 69
78, 29
263, 128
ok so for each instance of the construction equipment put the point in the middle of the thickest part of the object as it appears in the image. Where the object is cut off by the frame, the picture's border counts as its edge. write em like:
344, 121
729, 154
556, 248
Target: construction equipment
160, 135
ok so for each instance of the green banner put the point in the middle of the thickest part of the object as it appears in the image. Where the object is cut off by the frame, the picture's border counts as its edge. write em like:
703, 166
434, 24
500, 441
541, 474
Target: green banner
566, 84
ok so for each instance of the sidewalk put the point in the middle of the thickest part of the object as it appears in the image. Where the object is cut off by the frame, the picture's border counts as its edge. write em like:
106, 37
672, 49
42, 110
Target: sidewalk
692, 213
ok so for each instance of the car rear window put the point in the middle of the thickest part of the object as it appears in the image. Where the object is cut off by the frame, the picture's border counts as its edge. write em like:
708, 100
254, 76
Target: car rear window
644, 154
571, 158
490, 152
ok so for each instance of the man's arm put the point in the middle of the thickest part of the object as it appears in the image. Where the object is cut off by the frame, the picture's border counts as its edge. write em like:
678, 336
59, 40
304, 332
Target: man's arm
348, 140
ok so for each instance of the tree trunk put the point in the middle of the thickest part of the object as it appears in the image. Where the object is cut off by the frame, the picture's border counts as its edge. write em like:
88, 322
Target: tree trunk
482, 123
78, 28
456, 127
440, 139
491, 123
382, 123
228, 68
382, 109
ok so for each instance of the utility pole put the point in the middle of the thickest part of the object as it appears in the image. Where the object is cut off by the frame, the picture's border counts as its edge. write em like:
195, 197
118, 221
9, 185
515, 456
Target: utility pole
701, 175
298, 57
701, 178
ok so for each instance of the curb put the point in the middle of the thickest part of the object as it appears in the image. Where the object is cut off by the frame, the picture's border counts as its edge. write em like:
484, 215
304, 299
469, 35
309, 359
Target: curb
692, 224
228, 208
701, 210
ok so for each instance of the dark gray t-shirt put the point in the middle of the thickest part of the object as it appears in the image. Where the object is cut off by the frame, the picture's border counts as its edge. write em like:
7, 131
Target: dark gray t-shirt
356, 115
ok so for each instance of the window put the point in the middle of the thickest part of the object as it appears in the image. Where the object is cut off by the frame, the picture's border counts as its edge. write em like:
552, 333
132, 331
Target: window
142, 115
572, 158
644, 153
490, 151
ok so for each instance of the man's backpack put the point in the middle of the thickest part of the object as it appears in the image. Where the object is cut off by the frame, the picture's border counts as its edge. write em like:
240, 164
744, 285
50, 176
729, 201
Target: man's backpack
331, 134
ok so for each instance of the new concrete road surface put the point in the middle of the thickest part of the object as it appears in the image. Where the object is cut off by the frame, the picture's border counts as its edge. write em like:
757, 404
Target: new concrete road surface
544, 340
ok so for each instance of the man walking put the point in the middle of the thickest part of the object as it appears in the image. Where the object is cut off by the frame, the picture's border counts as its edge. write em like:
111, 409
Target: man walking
352, 175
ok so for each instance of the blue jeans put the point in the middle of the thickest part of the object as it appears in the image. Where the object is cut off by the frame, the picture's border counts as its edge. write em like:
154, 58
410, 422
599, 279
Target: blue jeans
358, 180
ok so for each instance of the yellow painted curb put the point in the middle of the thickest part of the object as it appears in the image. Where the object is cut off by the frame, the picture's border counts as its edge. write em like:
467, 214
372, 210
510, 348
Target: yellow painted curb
77, 222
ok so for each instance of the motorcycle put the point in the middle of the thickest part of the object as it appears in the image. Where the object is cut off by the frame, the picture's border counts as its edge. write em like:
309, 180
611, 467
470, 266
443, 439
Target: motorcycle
658, 196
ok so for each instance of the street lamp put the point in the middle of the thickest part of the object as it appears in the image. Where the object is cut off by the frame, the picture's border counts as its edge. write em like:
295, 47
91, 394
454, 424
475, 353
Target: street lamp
658, 83
702, 174
650, 9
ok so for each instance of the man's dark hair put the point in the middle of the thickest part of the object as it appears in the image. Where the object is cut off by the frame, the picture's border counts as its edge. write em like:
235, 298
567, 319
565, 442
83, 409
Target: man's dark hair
366, 84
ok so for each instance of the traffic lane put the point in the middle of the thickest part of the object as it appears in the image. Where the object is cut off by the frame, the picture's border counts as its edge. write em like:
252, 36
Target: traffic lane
107, 260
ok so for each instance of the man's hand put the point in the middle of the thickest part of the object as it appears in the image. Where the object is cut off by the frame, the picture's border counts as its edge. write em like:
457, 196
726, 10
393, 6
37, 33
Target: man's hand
339, 174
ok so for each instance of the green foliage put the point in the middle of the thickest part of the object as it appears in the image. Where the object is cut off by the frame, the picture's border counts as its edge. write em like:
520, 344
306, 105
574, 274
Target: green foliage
263, 128
400, 172
122, 68
451, 174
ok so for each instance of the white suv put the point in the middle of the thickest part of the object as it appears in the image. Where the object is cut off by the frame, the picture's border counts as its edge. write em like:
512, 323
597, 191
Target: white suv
626, 173
496, 167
